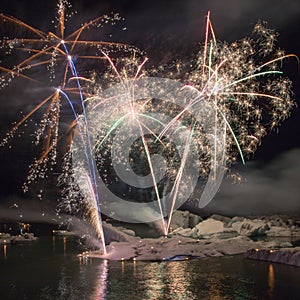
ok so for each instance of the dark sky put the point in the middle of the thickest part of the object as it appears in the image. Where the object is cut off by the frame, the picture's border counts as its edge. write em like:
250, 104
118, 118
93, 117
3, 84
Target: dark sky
170, 29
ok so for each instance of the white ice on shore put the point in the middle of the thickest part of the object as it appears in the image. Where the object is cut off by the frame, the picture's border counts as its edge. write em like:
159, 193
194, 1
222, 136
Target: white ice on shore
168, 248
215, 236
6, 238
289, 256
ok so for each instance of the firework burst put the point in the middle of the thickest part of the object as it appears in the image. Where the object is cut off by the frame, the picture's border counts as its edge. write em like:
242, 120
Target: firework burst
53, 54
237, 93
50, 57
231, 95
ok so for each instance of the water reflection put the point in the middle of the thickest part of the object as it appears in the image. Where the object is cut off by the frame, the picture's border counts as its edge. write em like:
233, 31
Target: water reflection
134, 268
123, 267
57, 273
215, 287
271, 280
101, 281
165, 280
53, 243
178, 287
155, 283
65, 244
4, 251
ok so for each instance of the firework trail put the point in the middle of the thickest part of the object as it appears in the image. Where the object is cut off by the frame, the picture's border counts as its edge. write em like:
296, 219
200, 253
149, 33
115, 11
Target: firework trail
245, 93
235, 93
55, 52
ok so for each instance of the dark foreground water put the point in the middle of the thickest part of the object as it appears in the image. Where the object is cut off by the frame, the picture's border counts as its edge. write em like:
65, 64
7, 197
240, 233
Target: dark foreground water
50, 269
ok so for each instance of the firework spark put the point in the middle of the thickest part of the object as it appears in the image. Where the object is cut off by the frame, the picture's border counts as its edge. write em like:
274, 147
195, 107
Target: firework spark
53, 54
230, 98
246, 95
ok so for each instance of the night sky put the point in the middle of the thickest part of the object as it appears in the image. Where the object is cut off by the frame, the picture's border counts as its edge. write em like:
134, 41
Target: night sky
167, 30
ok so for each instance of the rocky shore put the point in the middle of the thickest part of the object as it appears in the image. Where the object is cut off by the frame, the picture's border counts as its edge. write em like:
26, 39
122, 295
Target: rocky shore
6, 238
218, 226
289, 256
193, 237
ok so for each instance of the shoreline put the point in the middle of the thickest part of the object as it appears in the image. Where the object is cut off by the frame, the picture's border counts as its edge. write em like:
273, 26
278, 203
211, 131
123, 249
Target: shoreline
193, 237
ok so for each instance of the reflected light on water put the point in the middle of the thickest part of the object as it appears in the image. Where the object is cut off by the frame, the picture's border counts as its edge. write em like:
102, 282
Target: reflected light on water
134, 268
71, 277
4, 251
101, 283
177, 271
65, 244
215, 286
83, 260
154, 284
166, 279
271, 280
123, 267
53, 243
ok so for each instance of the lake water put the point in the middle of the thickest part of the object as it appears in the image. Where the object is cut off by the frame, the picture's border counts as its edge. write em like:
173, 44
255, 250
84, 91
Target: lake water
50, 269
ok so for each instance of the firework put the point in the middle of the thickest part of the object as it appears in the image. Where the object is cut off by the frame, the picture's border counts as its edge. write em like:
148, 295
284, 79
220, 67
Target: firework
53, 54
50, 56
150, 137
230, 98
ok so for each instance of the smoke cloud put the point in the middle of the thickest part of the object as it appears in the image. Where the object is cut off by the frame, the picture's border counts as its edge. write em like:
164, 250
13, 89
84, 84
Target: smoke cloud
271, 189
